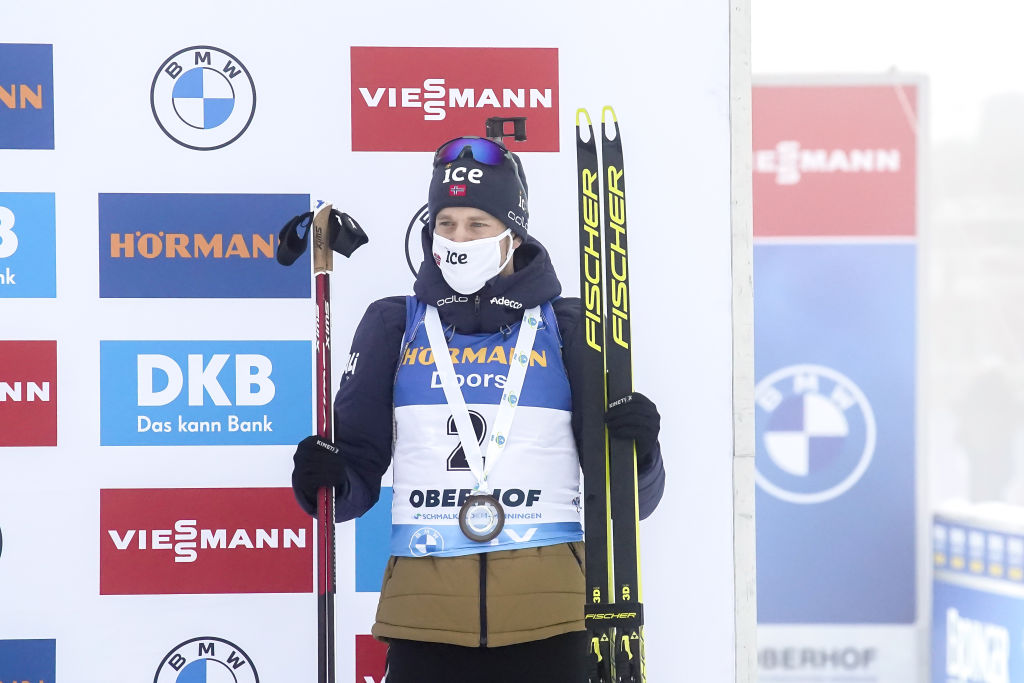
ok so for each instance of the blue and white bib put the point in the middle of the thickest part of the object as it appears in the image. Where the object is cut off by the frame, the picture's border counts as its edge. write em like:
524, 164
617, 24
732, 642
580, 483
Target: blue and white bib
537, 480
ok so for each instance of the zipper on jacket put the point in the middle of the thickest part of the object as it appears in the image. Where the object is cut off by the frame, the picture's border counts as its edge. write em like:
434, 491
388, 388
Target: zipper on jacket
483, 599
476, 304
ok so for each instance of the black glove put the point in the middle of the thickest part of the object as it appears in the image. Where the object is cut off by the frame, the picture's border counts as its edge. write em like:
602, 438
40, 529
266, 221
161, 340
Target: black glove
318, 463
634, 416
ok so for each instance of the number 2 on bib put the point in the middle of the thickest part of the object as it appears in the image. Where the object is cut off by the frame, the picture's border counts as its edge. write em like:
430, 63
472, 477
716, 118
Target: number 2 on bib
457, 458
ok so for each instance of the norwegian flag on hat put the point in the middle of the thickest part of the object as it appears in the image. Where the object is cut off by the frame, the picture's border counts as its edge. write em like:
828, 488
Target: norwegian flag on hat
456, 190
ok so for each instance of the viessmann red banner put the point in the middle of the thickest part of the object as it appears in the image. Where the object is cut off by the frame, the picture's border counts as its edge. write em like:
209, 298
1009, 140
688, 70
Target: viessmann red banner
412, 99
835, 161
371, 659
28, 393
175, 541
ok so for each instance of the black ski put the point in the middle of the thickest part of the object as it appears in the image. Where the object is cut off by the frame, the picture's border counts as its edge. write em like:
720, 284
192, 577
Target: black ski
596, 509
614, 611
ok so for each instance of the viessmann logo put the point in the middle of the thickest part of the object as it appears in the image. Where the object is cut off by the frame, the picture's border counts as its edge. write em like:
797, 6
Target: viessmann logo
28, 393
414, 98
172, 541
789, 161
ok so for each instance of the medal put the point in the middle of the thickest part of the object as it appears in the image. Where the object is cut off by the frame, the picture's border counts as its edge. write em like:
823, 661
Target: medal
481, 517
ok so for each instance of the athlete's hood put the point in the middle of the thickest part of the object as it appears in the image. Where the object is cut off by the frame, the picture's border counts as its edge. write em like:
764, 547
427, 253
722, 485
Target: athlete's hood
502, 299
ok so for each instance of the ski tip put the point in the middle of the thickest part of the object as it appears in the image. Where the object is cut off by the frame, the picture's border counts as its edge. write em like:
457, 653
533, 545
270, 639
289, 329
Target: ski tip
585, 114
608, 110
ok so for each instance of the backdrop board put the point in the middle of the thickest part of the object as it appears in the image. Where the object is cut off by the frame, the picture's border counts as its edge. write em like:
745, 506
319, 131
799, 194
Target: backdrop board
156, 363
836, 221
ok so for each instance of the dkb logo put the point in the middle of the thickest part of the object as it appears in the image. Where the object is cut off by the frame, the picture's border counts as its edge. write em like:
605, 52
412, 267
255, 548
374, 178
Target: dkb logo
204, 392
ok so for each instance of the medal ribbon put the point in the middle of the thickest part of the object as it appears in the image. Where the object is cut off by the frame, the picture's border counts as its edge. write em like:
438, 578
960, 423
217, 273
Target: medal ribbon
519, 362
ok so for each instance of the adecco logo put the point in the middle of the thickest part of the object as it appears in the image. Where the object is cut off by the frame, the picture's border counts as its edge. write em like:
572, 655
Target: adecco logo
28, 393
411, 99
172, 541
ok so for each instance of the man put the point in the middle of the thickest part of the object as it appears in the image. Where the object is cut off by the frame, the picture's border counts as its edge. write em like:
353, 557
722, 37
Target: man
486, 578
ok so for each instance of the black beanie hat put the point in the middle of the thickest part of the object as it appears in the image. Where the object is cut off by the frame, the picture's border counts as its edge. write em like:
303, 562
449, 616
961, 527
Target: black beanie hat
499, 190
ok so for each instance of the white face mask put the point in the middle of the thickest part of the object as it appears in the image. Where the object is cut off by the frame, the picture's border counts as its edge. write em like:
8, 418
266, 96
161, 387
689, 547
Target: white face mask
467, 266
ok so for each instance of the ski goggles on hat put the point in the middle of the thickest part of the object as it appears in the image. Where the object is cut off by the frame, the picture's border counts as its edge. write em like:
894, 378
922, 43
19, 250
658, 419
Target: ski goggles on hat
482, 150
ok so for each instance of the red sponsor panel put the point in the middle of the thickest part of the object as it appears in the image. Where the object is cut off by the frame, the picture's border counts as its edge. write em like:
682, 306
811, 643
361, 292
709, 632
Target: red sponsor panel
412, 99
28, 393
371, 659
173, 541
835, 161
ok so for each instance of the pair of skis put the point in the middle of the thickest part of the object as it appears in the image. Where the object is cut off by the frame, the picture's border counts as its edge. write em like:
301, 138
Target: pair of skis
613, 611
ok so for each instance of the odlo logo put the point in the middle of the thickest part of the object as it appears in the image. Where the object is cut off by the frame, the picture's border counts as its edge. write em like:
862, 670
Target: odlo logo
206, 659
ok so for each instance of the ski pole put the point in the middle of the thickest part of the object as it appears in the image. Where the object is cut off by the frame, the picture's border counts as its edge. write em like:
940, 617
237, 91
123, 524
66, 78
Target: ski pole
332, 231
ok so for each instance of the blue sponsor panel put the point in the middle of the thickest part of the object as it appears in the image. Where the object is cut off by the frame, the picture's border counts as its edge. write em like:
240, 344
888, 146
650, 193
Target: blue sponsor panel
26, 96
977, 633
193, 393
373, 537
834, 422
28, 660
28, 245
198, 246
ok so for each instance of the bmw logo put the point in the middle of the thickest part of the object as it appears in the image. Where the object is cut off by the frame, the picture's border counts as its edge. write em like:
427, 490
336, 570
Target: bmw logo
425, 541
815, 433
203, 97
206, 660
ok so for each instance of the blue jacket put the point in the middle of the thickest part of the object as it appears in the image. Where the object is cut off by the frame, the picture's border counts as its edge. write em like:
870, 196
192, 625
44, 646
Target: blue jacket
363, 406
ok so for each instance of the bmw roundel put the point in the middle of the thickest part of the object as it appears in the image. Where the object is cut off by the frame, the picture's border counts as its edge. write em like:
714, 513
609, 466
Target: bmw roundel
815, 433
206, 660
425, 541
203, 97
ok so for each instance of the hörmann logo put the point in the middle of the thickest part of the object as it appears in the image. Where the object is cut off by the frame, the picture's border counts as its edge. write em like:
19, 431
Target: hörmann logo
26, 97
28, 393
204, 393
28, 262
414, 98
196, 246
171, 541
788, 161
28, 661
